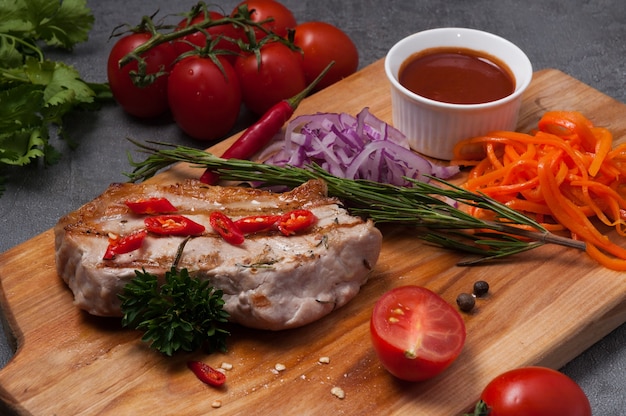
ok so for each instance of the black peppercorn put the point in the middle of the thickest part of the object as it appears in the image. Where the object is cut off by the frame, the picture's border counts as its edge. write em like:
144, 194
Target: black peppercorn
481, 288
466, 302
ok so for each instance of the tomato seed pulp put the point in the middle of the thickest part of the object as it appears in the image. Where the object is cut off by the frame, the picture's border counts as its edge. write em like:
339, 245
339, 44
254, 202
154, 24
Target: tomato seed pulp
456, 75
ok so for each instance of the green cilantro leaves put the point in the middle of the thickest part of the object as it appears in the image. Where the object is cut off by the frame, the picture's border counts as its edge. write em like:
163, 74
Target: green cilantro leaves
36, 93
58, 23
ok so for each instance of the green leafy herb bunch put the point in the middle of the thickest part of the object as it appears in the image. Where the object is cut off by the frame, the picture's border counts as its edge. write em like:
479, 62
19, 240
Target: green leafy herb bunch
36, 92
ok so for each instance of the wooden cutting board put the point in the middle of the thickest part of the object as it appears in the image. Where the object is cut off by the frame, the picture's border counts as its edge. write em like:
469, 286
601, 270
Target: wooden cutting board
545, 307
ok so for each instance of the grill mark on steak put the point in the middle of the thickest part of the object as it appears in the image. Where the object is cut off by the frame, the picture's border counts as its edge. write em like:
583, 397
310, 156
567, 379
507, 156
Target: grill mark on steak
271, 281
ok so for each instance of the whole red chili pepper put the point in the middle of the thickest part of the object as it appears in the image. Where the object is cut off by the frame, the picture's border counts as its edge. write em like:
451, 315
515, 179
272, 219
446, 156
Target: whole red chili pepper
260, 133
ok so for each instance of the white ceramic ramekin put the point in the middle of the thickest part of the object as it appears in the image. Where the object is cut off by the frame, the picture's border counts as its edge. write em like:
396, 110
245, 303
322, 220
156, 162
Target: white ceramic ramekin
432, 127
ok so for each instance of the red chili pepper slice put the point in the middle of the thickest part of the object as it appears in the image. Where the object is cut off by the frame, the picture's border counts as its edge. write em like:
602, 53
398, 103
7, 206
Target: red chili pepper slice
225, 227
173, 225
151, 206
257, 223
296, 220
126, 244
206, 373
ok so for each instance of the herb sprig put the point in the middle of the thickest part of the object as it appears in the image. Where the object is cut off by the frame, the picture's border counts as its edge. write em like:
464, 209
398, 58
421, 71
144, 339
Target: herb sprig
425, 206
182, 314
35, 92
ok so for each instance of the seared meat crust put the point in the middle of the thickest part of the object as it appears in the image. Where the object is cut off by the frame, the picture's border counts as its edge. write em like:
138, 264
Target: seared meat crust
271, 281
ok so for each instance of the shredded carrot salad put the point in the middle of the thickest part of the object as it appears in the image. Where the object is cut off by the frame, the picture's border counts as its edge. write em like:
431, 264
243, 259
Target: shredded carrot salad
564, 174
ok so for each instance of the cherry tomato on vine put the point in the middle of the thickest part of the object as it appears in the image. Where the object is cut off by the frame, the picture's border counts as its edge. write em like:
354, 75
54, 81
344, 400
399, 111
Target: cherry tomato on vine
264, 9
229, 34
537, 391
322, 43
416, 333
277, 77
204, 101
144, 102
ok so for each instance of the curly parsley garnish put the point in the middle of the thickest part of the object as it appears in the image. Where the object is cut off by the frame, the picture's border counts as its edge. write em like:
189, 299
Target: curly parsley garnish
183, 314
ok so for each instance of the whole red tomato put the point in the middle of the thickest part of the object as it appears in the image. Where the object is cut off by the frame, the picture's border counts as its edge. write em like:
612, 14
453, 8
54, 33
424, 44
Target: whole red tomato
322, 43
537, 391
260, 10
416, 333
229, 33
204, 101
145, 102
278, 76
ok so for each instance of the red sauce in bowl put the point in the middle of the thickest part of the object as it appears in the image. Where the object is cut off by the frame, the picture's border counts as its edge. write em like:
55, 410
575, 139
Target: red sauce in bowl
456, 75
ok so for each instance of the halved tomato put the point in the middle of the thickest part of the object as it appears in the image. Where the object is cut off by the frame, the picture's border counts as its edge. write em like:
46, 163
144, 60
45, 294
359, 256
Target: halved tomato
416, 333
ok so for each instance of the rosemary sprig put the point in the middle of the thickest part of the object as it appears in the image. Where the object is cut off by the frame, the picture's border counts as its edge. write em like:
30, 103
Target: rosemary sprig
425, 206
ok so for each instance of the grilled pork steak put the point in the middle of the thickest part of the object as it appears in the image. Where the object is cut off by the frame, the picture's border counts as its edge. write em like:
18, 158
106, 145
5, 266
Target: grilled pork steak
271, 281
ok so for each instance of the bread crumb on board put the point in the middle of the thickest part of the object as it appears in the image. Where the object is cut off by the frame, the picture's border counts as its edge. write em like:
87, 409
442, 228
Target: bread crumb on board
338, 392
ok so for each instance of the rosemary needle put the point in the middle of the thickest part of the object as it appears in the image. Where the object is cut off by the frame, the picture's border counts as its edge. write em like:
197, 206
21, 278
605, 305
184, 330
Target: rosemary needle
432, 207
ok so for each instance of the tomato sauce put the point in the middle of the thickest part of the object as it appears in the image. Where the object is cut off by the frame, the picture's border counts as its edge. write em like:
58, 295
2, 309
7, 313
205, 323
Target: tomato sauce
456, 75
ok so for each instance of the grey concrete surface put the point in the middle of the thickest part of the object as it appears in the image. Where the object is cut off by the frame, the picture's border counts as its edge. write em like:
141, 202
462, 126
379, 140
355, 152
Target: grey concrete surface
585, 39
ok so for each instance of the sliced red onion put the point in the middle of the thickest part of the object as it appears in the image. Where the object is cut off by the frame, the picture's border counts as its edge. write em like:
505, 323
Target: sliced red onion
361, 147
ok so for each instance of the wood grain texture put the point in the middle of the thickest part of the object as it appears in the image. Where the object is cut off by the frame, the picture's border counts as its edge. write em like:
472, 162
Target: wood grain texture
545, 307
